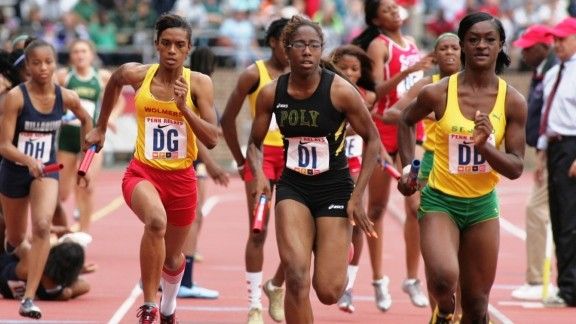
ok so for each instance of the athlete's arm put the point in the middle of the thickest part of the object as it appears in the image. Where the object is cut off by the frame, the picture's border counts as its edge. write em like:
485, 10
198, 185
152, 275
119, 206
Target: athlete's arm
431, 99
392, 115
202, 92
264, 110
127, 74
246, 83
120, 103
509, 163
346, 98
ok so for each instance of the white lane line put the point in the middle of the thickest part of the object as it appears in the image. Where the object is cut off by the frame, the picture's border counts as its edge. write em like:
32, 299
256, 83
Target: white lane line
126, 305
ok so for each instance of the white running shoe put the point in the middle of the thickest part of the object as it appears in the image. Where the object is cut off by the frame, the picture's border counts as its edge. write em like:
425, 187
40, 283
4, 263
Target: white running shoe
413, 288
345, 302
382, 294
255, 316
530, 292
276, 299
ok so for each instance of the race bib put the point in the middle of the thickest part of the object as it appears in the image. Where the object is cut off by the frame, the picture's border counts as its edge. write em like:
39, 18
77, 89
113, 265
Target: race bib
354, 144
308, 155
35, 145
165, 138
463, 157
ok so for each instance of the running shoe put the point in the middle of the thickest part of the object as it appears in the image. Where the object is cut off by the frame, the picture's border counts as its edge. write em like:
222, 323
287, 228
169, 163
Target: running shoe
345, 302
532, 292
554, 301
147, 314
382, 294
413, 288
197, 292
255, 316
438, 318
168, 319
276, 298
28, 309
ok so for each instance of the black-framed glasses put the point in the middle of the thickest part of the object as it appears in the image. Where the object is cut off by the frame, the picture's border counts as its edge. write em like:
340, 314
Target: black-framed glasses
301, 45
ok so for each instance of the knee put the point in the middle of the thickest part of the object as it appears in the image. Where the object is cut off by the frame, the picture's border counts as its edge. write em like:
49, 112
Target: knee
156, 223
375, 211
41, 228
443, 284
297, 281
174, 262
258, 239
329, 292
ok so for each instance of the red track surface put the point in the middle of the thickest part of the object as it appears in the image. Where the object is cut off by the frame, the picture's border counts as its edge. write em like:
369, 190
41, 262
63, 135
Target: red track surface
115, 249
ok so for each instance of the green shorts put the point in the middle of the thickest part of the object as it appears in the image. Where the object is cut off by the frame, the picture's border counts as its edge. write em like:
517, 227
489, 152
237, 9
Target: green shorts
426, 165
465, 212
69, 139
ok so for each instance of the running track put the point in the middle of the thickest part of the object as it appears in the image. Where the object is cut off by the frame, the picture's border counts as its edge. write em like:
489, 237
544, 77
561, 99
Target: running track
115, 295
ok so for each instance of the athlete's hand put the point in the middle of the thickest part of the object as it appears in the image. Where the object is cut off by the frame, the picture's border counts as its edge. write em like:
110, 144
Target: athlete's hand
35, 168
262, 186
482, 128
82, 181
404, 186
424, 64
218, 175
95, 136
180, 93
357, 216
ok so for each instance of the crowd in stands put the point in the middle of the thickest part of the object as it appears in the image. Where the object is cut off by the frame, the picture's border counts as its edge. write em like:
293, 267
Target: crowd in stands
235, 28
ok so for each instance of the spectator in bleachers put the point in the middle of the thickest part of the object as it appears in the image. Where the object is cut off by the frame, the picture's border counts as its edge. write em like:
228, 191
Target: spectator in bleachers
238, 33
85, 9
332, 25
32, 24
194, 12
68, 29
214, 11
354, 20
103, 32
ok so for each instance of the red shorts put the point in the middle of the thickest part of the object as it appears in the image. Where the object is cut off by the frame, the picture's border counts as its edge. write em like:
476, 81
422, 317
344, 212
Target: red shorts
273, 163
354, 164
389, 135
177, 190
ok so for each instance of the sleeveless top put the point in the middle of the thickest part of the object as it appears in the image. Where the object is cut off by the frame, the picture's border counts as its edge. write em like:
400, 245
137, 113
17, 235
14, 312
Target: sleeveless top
430, 126
399, 59
35, 132
273, 137
165, 141
313, 130
89, 89
458, 169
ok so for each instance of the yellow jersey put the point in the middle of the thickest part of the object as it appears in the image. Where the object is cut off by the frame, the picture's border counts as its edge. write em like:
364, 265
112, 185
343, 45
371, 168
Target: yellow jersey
430, 126
273, 137
165, 140
459, 170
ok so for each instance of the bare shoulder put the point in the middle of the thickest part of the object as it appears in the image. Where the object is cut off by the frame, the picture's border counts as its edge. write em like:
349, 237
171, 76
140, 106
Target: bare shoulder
515, 102
343, 93
200, 81
69, 97
131, 73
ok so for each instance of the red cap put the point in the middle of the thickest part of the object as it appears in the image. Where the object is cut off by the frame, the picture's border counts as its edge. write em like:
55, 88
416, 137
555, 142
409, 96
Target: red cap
564, 28
535, 34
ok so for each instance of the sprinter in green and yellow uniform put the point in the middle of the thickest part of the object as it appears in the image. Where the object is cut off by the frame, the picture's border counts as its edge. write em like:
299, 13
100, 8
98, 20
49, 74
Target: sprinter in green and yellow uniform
476, 112
88, 82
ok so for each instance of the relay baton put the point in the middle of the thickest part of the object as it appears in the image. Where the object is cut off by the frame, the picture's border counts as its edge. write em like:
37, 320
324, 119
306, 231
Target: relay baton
391, 170
260, 214
413, 174
85, 164
52, 168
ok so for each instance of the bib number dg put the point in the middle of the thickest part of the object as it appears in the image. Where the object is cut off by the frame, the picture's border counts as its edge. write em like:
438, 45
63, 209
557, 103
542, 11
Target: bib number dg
165, 138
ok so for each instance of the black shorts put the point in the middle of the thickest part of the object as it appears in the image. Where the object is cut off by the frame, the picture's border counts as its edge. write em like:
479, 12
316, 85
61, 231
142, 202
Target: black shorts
326, 194
15, 180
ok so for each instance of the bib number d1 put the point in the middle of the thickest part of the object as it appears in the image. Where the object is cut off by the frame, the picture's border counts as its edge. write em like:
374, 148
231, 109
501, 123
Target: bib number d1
308, 155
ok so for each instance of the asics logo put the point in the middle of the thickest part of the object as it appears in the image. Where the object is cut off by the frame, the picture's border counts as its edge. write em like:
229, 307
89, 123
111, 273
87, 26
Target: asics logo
281, 105
335, 207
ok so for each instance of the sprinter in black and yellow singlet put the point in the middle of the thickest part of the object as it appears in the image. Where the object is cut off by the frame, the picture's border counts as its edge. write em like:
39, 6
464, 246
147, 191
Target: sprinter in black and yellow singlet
475, 111
249, 84
316, 201
174, 108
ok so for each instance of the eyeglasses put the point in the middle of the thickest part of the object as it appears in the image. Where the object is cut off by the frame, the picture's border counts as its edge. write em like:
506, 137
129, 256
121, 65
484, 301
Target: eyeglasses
301, 45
